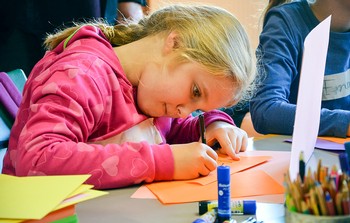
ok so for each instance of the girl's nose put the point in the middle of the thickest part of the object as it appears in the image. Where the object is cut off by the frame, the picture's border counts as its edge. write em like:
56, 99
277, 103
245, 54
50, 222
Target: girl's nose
183, 111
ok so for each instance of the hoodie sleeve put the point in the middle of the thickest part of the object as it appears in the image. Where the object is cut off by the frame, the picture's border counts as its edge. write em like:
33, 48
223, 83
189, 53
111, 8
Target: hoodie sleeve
68, 104
55, 141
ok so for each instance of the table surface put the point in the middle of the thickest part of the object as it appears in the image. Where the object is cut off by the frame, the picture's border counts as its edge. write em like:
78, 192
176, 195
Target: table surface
118, 206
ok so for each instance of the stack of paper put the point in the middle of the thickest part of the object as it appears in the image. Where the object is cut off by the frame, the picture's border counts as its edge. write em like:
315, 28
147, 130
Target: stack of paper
247, 180
43, 198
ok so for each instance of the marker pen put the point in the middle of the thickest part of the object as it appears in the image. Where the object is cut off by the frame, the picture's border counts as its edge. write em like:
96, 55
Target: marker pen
202, 128
224, 195
247, 207
301, 166
208, 217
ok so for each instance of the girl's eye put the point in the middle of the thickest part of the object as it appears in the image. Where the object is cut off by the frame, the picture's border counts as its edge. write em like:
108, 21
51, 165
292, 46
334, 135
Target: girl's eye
196, 91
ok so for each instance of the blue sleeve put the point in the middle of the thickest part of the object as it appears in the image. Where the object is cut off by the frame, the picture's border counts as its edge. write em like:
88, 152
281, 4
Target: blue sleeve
271, 109
334, 122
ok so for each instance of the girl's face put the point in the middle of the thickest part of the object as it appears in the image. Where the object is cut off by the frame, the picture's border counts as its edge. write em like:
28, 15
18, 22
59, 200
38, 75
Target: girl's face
178, 90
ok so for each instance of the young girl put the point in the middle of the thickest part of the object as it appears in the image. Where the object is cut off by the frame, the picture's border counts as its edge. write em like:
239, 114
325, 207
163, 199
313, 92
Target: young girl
116, 102
281, 47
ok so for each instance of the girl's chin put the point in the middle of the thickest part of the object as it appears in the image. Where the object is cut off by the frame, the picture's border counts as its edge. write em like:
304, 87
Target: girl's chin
152, 114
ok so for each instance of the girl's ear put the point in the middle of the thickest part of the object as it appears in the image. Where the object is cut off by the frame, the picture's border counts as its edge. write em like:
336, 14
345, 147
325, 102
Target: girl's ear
170, 43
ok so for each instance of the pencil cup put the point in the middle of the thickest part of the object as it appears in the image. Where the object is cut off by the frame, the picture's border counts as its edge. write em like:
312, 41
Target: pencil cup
292, 217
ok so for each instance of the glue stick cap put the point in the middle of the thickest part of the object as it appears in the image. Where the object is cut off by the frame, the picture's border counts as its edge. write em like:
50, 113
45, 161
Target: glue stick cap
223, 174
202, 207
249, 207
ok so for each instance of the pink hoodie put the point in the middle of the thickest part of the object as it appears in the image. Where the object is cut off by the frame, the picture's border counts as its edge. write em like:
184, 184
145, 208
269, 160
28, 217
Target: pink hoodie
77, 94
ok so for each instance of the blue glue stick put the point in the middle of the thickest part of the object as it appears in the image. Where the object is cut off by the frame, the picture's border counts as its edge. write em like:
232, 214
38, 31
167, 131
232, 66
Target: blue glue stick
224, 195
238, 207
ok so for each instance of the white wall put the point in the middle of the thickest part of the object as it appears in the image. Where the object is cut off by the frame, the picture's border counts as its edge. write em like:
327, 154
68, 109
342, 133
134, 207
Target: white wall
248, 12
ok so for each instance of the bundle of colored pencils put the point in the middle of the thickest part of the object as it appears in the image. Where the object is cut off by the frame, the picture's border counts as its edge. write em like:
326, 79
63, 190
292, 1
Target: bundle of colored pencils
322, 192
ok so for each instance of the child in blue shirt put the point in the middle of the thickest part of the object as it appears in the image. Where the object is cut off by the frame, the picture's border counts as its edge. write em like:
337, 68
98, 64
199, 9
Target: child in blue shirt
280, 54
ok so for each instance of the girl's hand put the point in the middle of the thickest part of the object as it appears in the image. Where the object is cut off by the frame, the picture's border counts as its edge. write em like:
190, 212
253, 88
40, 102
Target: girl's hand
193, 160
231, 138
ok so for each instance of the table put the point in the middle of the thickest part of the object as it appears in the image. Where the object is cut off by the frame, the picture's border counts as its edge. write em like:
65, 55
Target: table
118, 207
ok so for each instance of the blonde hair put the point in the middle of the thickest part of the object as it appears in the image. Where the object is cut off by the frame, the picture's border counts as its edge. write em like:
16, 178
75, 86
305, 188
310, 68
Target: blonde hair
208, 35
274, 3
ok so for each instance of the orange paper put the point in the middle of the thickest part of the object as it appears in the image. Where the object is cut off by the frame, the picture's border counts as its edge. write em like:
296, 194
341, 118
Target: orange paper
55, 215
248, 183
244, 163
143, 193
335, 139
272, 171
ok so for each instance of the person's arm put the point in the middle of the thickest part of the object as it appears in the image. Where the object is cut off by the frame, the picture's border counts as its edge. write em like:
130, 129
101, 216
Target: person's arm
279, 54
334, 122
56, 138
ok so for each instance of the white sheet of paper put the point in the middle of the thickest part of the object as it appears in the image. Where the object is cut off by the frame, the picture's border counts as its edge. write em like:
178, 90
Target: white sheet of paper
308, 109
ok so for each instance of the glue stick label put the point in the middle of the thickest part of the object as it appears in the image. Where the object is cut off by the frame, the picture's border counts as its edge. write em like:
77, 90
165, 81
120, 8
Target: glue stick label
224, 199
237, 207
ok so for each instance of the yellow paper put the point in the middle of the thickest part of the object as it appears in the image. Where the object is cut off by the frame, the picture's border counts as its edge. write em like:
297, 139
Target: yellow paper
81, 189
10, 221
83, 193
34, 197
86, 195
